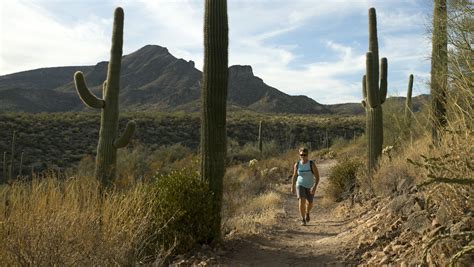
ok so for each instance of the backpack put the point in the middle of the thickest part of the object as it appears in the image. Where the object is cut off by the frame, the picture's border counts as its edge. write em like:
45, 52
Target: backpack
310, 165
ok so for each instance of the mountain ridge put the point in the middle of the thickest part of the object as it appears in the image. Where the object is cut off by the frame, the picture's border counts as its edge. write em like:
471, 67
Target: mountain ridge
151, 79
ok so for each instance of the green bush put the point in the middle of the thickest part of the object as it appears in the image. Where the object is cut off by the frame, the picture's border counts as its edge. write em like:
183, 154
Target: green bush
171, 153
183, 213
342, 179
249, 151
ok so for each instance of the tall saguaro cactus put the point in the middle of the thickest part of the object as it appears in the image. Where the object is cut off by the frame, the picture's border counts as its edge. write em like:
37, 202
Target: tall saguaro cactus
375, 93
213, 105
439, 68
109, 141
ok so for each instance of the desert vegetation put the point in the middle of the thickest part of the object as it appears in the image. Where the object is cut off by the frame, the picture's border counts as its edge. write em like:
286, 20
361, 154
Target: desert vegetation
428, 155
186, 183
61, 140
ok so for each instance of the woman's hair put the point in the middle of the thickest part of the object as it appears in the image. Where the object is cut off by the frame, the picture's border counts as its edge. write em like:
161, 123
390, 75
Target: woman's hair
303, 149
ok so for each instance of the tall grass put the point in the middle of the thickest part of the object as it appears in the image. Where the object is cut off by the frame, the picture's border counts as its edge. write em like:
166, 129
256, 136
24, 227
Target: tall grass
159, 207
251, 199
52, 222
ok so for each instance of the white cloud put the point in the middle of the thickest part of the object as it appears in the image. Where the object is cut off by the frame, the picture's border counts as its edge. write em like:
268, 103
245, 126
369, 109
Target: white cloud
32, 39
322, 81
259, 33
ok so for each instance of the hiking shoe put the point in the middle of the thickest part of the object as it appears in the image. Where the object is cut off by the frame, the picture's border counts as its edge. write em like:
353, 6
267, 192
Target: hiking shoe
307, 217
303, 222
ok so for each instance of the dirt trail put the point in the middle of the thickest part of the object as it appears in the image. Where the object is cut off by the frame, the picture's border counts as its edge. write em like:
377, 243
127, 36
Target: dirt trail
288, 244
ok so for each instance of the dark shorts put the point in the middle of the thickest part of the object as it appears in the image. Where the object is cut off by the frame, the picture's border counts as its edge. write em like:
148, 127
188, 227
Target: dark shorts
303, 192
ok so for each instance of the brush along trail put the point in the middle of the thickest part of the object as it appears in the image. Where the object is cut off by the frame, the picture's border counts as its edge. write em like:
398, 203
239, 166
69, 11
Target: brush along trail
324, 240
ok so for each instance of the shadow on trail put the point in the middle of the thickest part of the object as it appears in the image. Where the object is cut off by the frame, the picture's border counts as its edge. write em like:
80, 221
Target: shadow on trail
258, 251
312, 232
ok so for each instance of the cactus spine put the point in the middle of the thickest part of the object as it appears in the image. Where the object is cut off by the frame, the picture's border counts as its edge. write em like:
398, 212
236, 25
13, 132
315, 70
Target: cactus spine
408, 103
109, 141
439, 69
260, 146
213, 105
375, 93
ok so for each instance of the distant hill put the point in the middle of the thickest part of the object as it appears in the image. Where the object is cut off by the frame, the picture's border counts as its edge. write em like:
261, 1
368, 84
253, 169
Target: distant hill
357, 109
151, 78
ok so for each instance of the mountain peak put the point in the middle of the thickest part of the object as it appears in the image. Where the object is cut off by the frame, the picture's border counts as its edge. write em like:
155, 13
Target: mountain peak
244, 70
154, 49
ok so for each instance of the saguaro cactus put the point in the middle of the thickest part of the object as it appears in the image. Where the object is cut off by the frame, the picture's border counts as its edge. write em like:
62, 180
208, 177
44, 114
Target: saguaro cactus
408, 103
374, 94
439, 69
260, 145
109, 141
213, 105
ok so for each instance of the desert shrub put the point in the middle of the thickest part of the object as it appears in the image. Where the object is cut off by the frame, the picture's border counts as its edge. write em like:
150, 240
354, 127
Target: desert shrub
340, 142
182, 211
342, 179
171, 153
133, 164
355, 148
249, 151
395, 175
270, 149
249, 200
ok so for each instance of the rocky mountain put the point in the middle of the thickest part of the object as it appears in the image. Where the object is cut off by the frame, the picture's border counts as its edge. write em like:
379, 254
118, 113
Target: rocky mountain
151, 78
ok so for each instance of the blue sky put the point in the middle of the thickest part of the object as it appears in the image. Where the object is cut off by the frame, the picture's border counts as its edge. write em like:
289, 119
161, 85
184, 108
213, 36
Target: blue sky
315, 48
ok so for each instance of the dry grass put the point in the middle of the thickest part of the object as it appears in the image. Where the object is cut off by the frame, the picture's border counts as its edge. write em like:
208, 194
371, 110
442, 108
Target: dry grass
395, 174
67, 221
251, 201
256, 212
53, 222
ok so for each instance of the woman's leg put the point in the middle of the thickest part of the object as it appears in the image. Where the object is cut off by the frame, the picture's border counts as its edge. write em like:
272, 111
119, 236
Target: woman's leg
309, 206
302, 202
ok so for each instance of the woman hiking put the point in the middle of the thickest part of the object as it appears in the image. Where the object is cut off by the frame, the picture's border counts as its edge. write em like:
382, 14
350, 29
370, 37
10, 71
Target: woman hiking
306, 177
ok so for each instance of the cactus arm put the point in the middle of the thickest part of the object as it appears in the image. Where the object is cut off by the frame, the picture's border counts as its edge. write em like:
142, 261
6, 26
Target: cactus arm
383, 80
124, 140
371, 81
85, 94
364, 91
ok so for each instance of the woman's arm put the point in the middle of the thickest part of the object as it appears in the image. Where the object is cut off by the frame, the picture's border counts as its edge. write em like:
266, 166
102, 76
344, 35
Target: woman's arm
316, 178
293, 179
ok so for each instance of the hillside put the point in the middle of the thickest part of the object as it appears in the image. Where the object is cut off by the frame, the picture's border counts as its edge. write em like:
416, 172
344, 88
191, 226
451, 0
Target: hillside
151, 79
357, 109
60, 140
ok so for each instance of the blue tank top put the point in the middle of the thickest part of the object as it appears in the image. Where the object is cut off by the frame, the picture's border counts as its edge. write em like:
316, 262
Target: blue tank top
305, 176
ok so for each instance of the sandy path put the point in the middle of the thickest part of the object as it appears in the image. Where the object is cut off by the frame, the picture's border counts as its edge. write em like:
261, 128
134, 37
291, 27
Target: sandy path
287, 243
